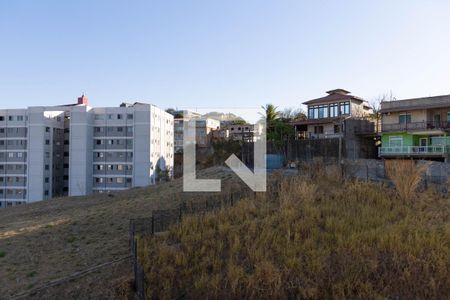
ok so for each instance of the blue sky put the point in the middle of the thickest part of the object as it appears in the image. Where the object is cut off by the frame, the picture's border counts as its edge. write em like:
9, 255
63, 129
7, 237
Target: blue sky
220, 53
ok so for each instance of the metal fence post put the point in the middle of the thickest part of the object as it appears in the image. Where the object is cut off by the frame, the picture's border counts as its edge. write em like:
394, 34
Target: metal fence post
367, 173
153, 225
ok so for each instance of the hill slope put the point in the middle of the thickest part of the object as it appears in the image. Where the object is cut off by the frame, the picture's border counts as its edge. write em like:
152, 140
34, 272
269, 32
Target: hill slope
52, 239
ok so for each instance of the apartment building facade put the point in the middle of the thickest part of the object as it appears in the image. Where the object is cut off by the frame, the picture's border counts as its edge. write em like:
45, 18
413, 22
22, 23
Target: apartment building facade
204, 128
73, 150
416, 128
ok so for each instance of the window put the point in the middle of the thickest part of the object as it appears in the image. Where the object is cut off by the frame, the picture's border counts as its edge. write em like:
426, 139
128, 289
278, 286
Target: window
345, 108
129, 116
130, 129
448, 117
2, 118
323, 111
110, 116
128, 180
47, 167
47, 180
119, 129
395, 141
10, 155
404, 118
98, 129
119, 116
19, 154
46, 193
98, 142
100, 154
119, 180
47, 142
10, 118
19, 118
47, 129
2, 130
318, 129
337, 128
2, 143
119, 167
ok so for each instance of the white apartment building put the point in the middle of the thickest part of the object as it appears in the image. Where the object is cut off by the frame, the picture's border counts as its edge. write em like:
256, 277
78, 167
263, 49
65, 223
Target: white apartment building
73, 150
203, 132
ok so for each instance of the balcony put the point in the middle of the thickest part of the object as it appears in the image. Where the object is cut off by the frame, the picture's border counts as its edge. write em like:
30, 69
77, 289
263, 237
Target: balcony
416, 126
439, 150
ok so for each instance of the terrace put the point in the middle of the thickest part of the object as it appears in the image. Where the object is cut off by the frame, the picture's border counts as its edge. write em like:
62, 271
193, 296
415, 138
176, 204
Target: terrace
415, 151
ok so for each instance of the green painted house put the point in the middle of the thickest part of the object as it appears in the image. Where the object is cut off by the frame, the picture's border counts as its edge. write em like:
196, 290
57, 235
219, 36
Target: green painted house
416, 128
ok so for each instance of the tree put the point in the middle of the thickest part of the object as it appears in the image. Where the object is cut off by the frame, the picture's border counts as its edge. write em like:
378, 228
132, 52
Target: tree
271, 113
174, 113
376, 108
292, 114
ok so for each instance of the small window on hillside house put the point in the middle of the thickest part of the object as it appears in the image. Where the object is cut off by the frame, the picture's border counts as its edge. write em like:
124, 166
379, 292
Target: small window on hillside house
318, 129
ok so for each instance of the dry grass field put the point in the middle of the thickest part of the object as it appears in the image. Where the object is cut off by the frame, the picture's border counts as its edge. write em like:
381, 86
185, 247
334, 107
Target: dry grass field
315, 236
319, 237
44, 241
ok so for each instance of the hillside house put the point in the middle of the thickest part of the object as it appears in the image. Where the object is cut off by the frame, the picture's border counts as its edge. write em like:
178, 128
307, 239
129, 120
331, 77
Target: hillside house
416, 128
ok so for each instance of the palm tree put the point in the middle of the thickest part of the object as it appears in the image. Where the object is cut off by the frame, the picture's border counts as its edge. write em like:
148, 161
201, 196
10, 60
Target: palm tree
271, 112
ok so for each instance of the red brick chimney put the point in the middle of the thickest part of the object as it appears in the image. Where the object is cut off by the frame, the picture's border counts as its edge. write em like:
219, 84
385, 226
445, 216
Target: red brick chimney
83, 100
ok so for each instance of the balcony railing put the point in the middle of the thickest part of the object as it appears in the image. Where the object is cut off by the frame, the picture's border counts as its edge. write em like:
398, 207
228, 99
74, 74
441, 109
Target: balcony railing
325, 135
414, 126
415, 150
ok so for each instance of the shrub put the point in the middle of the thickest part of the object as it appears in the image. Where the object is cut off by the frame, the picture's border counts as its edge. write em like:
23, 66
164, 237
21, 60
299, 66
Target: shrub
406, 177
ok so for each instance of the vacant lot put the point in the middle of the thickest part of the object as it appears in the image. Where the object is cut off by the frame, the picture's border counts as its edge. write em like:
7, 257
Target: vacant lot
48, 240
318, 237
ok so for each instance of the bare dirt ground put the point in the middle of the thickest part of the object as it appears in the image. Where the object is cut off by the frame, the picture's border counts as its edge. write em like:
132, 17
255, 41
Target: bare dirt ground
50, 240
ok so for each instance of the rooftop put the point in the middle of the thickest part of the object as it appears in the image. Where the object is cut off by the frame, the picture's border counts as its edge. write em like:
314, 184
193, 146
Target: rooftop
415, 103
333, 96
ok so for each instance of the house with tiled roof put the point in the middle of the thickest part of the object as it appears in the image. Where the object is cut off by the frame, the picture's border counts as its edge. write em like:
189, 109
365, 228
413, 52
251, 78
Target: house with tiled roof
327, 115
